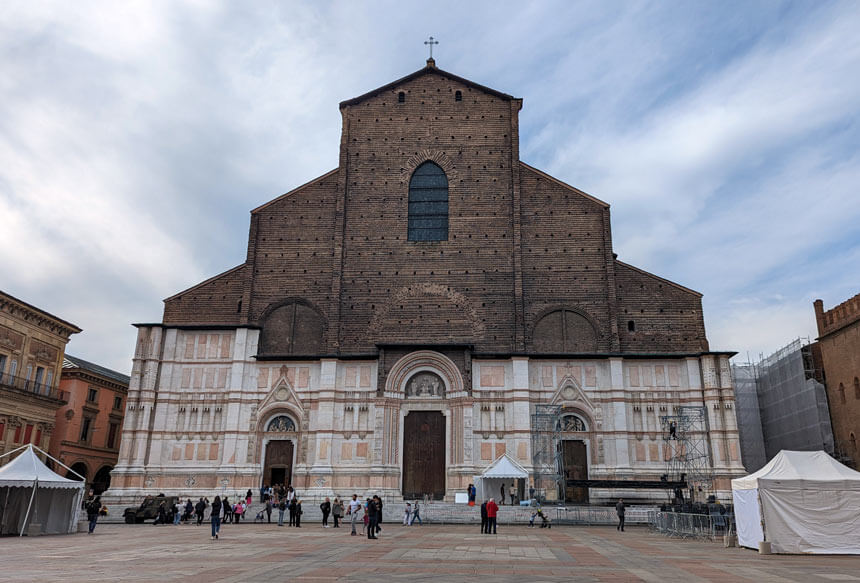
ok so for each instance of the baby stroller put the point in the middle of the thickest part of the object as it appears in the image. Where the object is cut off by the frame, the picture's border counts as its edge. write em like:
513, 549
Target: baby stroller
261, 516
545, 521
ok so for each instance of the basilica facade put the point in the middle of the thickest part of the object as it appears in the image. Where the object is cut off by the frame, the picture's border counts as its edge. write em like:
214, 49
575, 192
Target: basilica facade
398, 319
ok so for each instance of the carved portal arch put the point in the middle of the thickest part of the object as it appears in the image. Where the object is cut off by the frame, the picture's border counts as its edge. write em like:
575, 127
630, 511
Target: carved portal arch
424, 361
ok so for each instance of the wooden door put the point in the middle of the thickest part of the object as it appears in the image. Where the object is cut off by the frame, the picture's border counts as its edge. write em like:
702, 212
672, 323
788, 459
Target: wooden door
424, 455
575, 459
278, 468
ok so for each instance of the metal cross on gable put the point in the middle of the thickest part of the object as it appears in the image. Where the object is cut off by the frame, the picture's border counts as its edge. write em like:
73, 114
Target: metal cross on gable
431, 42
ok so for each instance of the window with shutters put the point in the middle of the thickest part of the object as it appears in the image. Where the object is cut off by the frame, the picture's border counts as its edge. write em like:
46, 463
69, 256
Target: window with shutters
428, 204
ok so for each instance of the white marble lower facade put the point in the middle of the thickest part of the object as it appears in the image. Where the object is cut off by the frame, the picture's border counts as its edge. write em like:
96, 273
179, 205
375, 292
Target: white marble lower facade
201, 408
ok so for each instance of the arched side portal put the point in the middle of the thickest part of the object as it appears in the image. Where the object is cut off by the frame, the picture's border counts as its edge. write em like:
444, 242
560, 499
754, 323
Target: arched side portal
279, 450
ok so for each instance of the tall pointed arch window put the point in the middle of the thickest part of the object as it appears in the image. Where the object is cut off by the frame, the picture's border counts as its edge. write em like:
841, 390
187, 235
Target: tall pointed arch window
428, 204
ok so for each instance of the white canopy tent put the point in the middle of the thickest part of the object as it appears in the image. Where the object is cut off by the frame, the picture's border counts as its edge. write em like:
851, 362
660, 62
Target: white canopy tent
503, 470
31, 494
800, 502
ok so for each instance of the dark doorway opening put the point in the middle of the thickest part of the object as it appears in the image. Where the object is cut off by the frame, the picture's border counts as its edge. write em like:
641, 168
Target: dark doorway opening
278, 468
575, 460
101, 481
424, 455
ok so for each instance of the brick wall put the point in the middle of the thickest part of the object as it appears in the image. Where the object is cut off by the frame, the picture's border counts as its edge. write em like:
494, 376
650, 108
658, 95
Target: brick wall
520, 243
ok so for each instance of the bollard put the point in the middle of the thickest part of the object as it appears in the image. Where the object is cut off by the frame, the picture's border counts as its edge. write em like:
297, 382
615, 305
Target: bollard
764, 548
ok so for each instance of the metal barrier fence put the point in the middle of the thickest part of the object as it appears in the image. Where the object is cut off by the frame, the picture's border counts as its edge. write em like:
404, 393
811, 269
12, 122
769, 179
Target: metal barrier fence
698, 526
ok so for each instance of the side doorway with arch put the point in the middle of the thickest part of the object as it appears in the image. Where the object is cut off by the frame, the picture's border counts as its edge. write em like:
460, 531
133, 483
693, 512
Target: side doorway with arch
279, 451
574, 455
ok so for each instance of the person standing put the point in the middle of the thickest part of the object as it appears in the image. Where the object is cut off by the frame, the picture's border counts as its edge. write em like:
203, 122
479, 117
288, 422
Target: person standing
354, 505
282, 507
177, 511
513, 494
502, 498
326, 510
484, 517
492, 509
268, 509
372, 510
215, 517
298, 513
199, 509
472, 491
93, 506
619, 510
292, 507
189, 510
228, 511
416, 514
248, 497
337, 512
262, 493
407, 514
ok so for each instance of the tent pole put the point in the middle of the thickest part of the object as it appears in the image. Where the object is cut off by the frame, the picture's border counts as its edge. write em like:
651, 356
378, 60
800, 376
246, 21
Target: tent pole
30, 505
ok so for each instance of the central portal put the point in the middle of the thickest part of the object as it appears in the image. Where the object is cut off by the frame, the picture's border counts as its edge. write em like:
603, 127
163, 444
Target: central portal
424, 455
575, 468
279, 463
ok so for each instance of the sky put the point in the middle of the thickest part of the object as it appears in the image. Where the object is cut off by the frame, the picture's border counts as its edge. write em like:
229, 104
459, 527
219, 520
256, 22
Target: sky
135, 137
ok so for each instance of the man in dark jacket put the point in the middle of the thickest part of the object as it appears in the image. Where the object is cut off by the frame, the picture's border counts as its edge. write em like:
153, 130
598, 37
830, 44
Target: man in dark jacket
619, 510
325, 507
215, 517
93, 506
298, 513
199, 509
292, 512
484, 517
268, 510
372, 518
378, 514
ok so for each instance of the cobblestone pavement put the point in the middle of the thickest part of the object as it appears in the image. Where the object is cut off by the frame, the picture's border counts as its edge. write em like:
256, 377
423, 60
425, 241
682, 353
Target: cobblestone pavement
262, 552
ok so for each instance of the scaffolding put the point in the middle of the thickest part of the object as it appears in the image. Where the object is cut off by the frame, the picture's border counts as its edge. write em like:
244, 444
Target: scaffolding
750, 432
546, 453
790, 403
688, 456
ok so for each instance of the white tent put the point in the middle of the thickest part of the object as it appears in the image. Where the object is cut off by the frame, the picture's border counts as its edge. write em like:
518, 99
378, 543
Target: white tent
31, 494
801, 502
503, 470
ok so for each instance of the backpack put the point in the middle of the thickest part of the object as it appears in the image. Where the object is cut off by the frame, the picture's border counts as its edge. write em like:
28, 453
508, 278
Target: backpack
282, 505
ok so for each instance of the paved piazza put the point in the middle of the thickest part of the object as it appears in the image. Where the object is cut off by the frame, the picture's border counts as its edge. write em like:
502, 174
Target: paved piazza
260, 552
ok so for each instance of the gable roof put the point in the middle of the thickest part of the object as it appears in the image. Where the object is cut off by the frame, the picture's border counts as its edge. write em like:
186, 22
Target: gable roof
658, 278
27, 468
429, 69
504, 467
72, 362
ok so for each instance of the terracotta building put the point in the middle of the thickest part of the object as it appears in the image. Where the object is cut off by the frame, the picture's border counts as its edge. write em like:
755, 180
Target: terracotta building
32, 343
399, 320
89, 424
839, 343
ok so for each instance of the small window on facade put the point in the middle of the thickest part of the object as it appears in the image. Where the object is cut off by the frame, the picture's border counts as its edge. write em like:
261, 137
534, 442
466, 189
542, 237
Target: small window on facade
2, 369
111, 438
401, 97
428, 204
458, 96
117, 403
631, 326
85, 428
239, 307
92, 395
13, 368
28, 433
842, 393
40, 374
856, 388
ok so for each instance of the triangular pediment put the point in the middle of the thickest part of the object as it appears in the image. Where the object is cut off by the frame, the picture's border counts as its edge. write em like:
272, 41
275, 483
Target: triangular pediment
430, 69
282, 393
570, 393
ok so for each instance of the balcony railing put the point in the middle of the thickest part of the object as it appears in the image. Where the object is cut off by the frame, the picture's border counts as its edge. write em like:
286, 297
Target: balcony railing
30, 386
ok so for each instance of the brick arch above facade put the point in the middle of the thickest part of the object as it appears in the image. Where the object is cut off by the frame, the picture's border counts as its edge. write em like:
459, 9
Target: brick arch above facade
292, 326
564, 328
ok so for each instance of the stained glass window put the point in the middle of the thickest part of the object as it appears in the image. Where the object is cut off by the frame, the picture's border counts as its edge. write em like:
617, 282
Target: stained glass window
428, 204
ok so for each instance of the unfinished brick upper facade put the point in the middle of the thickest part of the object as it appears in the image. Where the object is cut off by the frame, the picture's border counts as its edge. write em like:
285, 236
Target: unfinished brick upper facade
526, 275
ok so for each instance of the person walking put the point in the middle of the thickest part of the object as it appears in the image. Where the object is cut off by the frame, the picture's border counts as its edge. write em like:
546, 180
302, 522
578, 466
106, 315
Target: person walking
228, 511
372, 510
378, 514
215, 517
93, 506
189, 510
268, 509
337, 511
326, 510
238, 511
492, 509
619, 510
298, 513
354, 506
416, 514
177, 512
282, 507
484, 517
407, 514
248, 497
